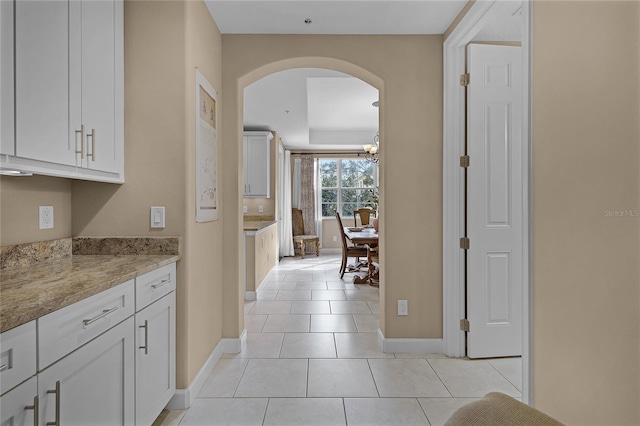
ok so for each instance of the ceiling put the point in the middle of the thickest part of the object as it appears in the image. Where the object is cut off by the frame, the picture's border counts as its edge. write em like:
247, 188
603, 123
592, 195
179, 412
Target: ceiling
334, 16
315, 109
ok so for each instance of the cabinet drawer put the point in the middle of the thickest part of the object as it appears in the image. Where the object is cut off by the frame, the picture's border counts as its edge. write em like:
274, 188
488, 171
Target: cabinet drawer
66, 329
17, 355
13, 405
153, 285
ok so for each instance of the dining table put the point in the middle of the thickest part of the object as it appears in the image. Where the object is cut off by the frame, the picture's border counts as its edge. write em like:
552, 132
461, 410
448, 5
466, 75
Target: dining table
362, 235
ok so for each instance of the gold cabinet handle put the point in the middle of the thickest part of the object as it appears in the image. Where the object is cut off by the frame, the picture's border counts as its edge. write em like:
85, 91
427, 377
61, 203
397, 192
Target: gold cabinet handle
146, 337
81, 132
36, 410
57, 393
92, 135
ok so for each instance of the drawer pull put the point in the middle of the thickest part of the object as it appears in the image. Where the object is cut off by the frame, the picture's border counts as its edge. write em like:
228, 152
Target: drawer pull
36, 410
4, 367
146, 337
57, 393
161, 283
104, 313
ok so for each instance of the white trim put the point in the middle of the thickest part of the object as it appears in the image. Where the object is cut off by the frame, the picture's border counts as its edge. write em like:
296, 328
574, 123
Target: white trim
250, 295
453, 196
183, 398
409, 345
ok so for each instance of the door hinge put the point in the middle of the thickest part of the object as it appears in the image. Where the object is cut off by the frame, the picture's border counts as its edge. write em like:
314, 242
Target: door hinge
464, 161
464, 243
464, 325
465, 79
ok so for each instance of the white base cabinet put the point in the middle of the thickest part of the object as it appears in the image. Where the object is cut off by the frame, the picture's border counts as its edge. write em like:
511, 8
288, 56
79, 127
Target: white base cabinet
19, 406
155, 358
93, 385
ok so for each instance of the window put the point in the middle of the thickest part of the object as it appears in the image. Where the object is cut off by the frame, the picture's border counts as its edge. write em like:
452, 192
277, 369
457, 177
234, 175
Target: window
346, 185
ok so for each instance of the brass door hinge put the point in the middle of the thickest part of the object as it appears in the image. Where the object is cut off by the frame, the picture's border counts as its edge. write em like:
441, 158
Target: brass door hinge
465, 79
464, 161
464, 325
464, 243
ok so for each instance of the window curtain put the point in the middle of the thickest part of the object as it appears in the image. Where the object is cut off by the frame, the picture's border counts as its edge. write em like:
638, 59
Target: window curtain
286, 230
318, 194
307, 196
297, 184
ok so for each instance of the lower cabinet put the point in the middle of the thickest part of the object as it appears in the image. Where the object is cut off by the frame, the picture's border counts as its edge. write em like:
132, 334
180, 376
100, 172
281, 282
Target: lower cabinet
155, 358
18, 407
93, 385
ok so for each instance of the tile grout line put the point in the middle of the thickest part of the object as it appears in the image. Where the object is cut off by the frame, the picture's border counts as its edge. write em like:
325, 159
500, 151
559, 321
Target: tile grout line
505, 377
373, 377
439, 378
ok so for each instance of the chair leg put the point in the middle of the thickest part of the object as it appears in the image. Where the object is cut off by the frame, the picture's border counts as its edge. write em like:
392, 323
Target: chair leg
317, 248
343, 266
302, 247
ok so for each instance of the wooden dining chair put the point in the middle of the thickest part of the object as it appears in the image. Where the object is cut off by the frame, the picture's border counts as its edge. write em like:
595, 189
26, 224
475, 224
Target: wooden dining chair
365, 216
298, 233
374, 264
348, 250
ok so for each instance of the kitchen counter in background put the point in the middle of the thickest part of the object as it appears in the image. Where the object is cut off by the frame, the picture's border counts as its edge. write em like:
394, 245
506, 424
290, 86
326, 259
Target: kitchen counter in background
257, 222
39, 278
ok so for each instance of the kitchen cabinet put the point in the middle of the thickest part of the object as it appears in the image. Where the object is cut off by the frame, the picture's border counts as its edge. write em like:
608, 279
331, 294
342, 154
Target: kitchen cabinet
261, 255
256, 156
6, 78
155, 343
17, 355
69, 103
92, 385
19, 406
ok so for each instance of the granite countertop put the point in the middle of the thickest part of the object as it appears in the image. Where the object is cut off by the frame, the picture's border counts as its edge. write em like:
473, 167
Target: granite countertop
27, 293
41, 277
256, 225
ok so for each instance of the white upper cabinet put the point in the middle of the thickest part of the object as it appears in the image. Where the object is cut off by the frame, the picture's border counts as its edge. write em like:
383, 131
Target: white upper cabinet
69, 89
6, 79
42, 81
257, 155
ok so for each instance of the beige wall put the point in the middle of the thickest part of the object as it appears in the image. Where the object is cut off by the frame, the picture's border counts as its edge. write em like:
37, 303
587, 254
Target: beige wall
407, 70
20, 198
269, 204
164, 42
586, 161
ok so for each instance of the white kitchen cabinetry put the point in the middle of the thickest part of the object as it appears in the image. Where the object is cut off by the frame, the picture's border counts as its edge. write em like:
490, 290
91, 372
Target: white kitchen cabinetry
19, 407
69, 89
256, 149
93, 385
6, 78
155, 343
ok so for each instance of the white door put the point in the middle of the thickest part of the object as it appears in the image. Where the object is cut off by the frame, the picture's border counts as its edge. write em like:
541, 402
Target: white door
494, 201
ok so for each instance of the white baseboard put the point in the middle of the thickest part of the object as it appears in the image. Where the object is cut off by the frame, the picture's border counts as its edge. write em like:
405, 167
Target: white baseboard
183, 398
250, 295
410, 345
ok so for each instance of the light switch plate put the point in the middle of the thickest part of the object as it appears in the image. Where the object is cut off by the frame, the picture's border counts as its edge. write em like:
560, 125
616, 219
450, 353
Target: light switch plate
157, 217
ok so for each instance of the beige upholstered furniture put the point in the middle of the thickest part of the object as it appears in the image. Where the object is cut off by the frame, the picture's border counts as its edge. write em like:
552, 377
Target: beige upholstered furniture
347, 250
365, 216
298, 233
498, 409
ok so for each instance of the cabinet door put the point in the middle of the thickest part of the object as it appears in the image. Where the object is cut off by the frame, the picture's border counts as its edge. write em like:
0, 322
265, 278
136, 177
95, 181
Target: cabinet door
93, 93
6, 78
93, 385
42, 81
17, 407
155, 358
257, 168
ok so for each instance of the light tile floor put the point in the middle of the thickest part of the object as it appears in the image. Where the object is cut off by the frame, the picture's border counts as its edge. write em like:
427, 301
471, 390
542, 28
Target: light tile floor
312, 357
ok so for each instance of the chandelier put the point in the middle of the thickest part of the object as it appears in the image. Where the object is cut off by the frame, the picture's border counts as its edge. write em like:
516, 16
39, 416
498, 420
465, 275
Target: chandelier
371, 151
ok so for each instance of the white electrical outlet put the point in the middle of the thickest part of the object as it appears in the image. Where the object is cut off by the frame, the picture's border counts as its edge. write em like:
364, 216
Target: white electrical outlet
403, 307
46, 217
260, 209
335, 238
245, 209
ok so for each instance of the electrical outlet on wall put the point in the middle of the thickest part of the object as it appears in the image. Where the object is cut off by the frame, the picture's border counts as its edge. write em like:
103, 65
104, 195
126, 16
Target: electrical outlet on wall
335, 238
245, 209
45, 217
260, 209
403, 307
